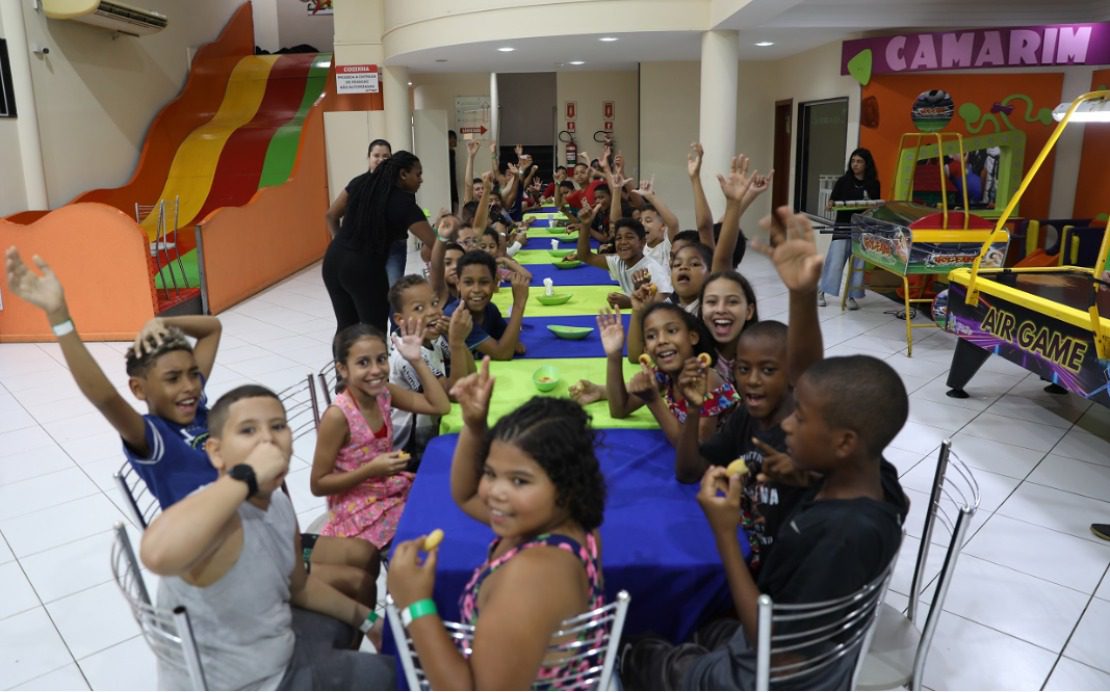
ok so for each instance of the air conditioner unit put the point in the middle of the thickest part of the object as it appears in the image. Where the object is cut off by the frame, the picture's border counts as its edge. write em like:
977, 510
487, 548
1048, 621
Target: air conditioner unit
107, 14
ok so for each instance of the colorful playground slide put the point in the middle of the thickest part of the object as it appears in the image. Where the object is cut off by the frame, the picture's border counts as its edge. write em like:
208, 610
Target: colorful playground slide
241, 150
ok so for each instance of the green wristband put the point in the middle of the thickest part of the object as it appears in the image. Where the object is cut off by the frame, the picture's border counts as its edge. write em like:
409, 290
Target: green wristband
418, 610
368, 624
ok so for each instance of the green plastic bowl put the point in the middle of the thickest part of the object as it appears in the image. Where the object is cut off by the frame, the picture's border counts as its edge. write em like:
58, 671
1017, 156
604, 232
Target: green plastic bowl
568, 264
546, 378
572, 333
560, 253
556, 299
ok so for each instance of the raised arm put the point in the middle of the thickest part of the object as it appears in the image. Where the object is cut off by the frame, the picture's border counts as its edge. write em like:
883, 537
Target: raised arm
462, 361
45, 292
621, 403
647, 192
740, 189
584, 253
481, 216
703, 215
433, 399
206, 330
473, 393
794, 252
468, 175
193, 528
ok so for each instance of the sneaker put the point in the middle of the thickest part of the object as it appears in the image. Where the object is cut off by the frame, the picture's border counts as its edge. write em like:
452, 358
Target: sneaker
1101, 530
821, 299
852, 304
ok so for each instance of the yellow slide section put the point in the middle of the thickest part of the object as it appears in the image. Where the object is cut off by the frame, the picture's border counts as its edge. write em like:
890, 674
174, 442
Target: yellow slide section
194, 164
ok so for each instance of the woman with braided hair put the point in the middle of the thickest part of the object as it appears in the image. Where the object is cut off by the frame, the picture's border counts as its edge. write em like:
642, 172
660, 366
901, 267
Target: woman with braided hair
381, 209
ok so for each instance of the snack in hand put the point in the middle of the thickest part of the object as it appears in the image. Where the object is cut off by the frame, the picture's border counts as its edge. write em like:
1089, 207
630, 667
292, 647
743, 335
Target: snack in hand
737, 467
433, 539
403, 456
705, 359
645, 359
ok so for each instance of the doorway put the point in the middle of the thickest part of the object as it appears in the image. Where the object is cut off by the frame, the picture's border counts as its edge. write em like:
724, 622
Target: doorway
822, 136
527, 117
780, 185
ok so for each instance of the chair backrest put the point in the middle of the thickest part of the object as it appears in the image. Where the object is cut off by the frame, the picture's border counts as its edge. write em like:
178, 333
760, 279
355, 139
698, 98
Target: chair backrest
302, 410
328, 377
953, 502
585, 644
139, 500
168, 633
798, 642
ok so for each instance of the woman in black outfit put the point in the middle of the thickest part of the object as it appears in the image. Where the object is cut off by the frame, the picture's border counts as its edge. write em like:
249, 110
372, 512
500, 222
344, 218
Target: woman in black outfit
381, 210
860, 181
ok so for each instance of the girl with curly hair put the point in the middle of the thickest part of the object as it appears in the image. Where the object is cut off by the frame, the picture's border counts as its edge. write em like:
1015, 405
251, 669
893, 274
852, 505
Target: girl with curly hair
535, 479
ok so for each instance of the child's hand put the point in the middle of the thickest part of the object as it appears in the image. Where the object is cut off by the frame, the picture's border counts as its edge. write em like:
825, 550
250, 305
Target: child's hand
611, 329
641, 277
410, 579
472, 147
646, 189
270, 465
586, 216
693, 160
738, 182
473, 393
618, 300
760, 184
42, 291
560, 176
520, 288
410, 339
792, 249
693, 382
722, 511
459, 327
487, 180
780, 468
150, 336
643, 384
586, 392
388, 464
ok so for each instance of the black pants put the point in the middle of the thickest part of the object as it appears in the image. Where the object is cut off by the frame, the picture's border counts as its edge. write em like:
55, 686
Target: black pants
357, 286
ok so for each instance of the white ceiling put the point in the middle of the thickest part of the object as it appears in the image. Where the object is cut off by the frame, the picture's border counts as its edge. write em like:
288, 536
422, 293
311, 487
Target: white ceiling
795, 26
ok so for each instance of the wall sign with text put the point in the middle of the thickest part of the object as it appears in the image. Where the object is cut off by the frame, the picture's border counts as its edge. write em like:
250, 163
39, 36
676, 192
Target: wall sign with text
356, 79
1017, 47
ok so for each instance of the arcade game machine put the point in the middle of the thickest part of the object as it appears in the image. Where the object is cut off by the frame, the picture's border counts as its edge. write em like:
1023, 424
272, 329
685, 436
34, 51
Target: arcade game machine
907, 238
1053, 321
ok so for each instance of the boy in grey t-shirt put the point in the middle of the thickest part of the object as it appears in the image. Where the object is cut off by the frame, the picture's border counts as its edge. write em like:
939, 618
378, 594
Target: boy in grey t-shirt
229, 553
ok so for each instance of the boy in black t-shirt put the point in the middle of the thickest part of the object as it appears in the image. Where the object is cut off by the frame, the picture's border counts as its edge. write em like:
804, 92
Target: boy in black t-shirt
843, 531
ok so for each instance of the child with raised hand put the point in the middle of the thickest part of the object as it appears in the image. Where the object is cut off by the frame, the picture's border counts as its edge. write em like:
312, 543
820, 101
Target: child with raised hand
230, 553
355, 466
490, 241
166, 445
625, 262
535, 480
491, 334
443, 350
672, 348
660, 223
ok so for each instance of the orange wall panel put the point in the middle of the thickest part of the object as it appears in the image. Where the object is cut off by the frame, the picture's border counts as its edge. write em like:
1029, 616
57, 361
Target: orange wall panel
1092, 190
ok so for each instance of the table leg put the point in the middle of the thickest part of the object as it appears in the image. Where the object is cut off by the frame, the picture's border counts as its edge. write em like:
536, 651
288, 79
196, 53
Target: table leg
909, 316
966, 361
847, 284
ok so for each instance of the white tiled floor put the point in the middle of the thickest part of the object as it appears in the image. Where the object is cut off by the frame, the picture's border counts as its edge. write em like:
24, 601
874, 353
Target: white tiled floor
1029, 608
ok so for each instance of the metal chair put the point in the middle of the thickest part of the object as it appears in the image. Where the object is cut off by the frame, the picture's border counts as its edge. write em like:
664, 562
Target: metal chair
897, 655
138, 498
328, 377
168, 633
799, 641
302, 409
590, 638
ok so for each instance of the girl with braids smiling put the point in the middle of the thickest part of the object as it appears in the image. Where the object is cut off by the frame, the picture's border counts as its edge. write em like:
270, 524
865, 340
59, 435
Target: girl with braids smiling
381, 210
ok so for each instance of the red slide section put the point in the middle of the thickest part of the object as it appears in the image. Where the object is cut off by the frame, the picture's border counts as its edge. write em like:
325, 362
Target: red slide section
240, 165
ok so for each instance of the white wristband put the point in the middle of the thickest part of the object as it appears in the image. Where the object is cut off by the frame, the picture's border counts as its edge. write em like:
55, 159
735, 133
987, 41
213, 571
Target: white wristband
62, 328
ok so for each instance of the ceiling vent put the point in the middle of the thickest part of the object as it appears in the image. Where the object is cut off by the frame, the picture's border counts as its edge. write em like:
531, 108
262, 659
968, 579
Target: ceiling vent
107, 14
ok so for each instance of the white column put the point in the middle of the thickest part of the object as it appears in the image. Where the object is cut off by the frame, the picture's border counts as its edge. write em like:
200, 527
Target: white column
494, 108
720, 55
27, 120
398, 114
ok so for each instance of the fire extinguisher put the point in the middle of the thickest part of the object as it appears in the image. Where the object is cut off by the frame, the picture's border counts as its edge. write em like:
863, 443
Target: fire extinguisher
572, 148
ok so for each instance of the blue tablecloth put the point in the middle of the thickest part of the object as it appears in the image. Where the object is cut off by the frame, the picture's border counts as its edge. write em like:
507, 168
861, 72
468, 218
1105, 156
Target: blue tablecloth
655, 542
584, 275
541, 343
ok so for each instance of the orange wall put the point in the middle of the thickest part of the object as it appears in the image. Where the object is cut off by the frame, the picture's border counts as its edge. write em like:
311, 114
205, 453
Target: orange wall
1092, 190
895, 95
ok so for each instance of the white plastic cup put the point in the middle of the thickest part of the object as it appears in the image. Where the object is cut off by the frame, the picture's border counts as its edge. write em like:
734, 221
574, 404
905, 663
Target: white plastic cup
549, 285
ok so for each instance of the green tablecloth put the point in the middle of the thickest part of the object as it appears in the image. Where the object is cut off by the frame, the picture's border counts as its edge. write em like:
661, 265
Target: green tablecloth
514, 386
586, 300
559, 233
544, 215
538, 256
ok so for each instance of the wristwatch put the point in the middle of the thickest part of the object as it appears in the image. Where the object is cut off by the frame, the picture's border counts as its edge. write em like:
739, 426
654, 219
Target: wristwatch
243, 472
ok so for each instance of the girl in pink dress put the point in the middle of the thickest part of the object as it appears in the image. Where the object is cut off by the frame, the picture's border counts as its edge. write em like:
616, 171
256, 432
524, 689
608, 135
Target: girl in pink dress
354, 466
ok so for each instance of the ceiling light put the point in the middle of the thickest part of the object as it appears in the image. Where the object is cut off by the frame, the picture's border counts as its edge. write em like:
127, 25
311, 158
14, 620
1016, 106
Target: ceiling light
764, 44
1093, 111
577, 62
410, 83
608, 39
506, 49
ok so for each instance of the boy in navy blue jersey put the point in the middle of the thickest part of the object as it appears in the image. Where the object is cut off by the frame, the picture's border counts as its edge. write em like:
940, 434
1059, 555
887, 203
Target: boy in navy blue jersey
165, 446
